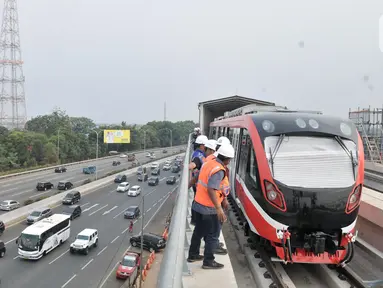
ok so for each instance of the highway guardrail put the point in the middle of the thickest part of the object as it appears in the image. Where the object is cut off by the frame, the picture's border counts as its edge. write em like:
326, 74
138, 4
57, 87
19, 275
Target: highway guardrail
81, 162
174, 261
17, 215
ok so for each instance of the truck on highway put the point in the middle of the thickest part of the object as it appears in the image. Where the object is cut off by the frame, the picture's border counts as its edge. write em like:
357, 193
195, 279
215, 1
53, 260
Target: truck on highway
43, 236
89, 170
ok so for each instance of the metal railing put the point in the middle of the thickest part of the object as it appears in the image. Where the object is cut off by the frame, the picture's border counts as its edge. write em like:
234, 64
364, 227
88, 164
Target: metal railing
173, 262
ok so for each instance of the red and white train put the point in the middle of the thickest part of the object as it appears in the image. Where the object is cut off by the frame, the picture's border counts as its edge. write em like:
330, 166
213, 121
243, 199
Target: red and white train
297, 178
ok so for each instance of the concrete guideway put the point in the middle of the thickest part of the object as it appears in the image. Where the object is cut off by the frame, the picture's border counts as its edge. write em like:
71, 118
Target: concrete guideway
26, 188
61, 269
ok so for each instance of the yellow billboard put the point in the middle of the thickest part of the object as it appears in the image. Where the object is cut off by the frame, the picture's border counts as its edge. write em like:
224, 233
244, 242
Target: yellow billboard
116, 136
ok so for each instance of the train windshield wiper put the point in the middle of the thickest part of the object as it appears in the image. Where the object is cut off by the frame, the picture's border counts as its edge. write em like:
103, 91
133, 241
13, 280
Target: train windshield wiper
274, 153
354, 161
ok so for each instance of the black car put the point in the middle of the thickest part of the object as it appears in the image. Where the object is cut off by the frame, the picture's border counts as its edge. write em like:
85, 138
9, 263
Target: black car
142, 177
71, 198
176, 169
153, 181
156, 171
64, 185
164, 151
132, 212
120, 178
73, 211
2, 227
2, 249
171, 180
115, 163
61, 169
43, 186
151, 242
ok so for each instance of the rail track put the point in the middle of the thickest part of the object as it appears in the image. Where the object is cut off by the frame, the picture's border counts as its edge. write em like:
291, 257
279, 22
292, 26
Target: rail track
269, 272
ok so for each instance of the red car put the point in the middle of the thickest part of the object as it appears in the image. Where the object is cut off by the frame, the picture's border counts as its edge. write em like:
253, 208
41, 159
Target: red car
129, 266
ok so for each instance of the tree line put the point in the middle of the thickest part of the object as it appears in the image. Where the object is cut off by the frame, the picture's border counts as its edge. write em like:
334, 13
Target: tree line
58, 138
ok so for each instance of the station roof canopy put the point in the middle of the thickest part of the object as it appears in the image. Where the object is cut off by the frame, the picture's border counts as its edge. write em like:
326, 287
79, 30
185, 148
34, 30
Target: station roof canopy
222, 105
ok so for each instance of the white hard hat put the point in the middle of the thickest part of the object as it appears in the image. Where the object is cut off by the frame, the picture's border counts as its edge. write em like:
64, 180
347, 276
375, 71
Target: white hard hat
201, 140
226, 151
223, 140
211, 144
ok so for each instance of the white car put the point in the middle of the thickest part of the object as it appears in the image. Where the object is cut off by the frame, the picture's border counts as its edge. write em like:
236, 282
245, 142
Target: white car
123, 155
168, 162
148, 154
166, 167
152, 156
134, 191
123, 187
155, 165
8, 205
86, 239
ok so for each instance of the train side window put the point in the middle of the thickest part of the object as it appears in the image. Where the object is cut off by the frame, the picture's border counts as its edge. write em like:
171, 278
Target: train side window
253, 168
213, 133
243, 154
230, 134
219, 132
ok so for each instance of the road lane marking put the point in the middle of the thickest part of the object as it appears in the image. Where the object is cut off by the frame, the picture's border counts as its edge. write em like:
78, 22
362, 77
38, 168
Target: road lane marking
148, 210
98, 254
16, 257
107, 212
84, 204
11, 240
67, 282
98, 210
41, 193
114, 239
154, 205
90, 261
87, 209
119, 213
124, 230
151, 218
20, 193
59, 257
163, 179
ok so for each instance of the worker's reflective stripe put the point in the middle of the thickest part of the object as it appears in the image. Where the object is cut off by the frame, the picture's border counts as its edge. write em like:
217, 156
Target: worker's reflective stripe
203, 184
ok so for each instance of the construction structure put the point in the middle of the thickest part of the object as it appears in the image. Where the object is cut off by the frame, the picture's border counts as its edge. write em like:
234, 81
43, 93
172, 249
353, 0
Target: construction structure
369, 124
211, 109
13, 114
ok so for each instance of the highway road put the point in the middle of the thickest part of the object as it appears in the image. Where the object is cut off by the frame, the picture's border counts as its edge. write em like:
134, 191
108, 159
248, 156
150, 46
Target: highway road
102, 210
23, 187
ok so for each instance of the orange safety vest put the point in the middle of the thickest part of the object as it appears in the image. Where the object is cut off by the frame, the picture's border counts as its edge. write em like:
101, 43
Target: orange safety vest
210, 157
208, 169
225, 184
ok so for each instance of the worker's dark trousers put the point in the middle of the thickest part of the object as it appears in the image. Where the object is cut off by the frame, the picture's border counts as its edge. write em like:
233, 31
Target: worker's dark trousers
205, 227
217, 233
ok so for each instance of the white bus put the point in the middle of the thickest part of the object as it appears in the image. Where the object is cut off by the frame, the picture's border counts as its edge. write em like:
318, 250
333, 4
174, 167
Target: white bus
43, 236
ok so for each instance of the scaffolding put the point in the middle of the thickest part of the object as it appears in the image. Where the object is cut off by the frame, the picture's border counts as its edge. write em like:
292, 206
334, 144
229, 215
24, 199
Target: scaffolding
369, 124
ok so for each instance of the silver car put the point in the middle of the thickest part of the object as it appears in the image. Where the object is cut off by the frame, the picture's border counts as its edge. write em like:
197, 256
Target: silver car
8, 205
38, 214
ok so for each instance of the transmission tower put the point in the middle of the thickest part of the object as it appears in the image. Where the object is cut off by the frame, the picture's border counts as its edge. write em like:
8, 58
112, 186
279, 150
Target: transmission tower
13, 112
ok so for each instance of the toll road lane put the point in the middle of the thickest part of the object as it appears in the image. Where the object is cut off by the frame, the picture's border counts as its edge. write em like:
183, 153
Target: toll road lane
59, 266
26, 188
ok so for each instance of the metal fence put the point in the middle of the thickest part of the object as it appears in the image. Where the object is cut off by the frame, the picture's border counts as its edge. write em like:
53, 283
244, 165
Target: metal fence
174, 262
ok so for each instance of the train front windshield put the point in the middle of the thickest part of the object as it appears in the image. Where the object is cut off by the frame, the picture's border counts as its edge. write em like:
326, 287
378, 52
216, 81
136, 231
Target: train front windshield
309, 151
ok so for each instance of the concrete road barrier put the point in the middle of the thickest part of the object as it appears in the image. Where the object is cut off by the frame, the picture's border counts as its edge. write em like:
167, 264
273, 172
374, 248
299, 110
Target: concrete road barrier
82, 162
19, 214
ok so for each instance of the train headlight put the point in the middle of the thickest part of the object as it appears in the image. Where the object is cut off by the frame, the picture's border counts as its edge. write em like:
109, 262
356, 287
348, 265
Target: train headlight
354, 199
271, 195
274, 196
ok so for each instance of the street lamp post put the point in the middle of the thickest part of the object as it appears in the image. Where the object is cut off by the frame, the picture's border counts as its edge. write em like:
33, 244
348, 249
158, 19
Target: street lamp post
96, 151
142, 234
58, 145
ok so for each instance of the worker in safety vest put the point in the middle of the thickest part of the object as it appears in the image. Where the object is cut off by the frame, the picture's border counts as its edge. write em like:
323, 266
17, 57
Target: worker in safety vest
207, 206
198, 157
